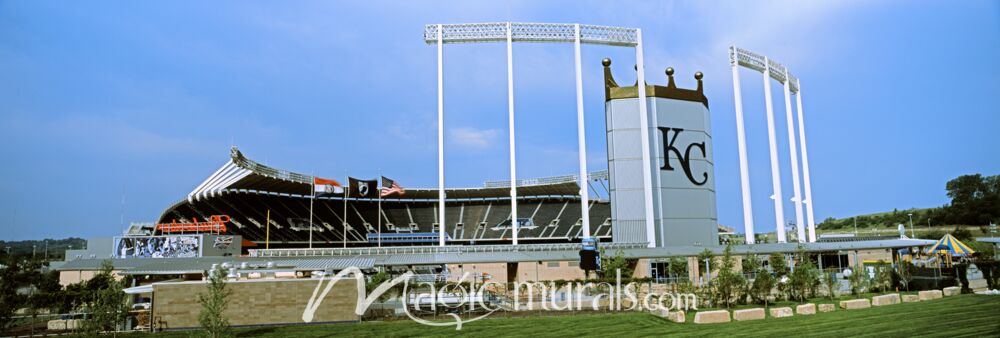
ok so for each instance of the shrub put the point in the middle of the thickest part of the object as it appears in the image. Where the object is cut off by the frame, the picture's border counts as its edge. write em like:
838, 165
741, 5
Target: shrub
612, 263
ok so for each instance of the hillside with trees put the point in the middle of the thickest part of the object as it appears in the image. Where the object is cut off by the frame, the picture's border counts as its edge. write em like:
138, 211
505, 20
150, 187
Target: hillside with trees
53, 249
975, 201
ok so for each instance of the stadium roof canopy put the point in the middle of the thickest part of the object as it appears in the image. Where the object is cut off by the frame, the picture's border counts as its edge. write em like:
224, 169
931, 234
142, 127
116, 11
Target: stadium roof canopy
242, 174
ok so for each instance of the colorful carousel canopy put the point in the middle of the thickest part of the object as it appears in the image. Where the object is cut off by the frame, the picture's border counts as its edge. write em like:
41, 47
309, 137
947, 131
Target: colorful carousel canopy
950, 245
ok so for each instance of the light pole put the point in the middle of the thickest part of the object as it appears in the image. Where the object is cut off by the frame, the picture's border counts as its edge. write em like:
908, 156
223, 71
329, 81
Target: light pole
911, 225
518, 32
855, 226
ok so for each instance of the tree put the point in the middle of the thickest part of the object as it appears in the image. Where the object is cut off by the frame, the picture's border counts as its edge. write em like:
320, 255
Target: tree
10, 301
804, 278
751, 263
905, 272
974, 199
780, 269
883, 277
728, 282
858, 280
962, 234
831, 283
762, 285
763, 282
678, 267
109, 306
778, 264
965, 189
49, 294
213, 305
704, 260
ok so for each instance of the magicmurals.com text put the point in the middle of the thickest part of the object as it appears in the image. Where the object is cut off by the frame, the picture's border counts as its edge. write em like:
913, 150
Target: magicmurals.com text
467, 295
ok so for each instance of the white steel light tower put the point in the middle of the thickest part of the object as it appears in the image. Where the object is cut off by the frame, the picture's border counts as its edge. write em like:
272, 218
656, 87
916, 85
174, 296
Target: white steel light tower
577, 34
772, 70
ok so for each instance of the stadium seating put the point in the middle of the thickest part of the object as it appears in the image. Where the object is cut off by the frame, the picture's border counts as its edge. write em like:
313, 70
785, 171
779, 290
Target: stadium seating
554, 220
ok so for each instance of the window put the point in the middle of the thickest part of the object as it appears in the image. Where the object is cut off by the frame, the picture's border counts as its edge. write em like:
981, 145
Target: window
553, 264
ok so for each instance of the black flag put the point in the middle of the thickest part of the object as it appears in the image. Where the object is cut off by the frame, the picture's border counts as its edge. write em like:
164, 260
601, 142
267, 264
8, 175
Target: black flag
363, 188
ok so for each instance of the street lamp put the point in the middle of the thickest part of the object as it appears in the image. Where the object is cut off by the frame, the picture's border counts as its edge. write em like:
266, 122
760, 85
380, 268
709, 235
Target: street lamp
911, 225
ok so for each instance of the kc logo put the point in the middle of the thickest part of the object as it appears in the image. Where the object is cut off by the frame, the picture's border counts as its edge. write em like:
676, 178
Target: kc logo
685, 158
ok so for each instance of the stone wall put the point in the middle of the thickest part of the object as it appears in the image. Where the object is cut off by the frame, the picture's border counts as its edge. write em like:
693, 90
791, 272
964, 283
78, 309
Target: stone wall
255, 302
534, 271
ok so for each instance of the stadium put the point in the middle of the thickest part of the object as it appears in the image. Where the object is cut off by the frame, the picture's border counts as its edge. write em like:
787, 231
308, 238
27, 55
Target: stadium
275, 230
246, 190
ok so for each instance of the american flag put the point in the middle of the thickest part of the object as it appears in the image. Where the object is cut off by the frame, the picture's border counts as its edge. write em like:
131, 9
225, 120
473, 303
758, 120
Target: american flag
390, 187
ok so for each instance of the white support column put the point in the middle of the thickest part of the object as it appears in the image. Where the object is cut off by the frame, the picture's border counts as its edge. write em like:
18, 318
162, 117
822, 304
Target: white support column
779, 211
647, 176
653, 138
510, 122
440, 48
805, 166
581, 138
794, 153
741, 140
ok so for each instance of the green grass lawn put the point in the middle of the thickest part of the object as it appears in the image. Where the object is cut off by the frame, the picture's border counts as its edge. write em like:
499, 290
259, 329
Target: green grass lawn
959, 316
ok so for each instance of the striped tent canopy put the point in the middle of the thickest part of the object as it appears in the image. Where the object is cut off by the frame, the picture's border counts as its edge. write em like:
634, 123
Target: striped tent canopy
952, 246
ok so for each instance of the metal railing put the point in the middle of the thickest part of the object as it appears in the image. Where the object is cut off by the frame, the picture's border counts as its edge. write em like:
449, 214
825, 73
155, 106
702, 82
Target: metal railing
597, 175
408, 250
530, 32
756, 62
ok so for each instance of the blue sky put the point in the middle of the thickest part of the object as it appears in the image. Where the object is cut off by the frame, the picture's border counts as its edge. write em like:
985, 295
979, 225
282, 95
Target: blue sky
101, 98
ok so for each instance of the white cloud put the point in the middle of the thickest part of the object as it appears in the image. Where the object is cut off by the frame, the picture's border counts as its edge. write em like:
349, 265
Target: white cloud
473, 138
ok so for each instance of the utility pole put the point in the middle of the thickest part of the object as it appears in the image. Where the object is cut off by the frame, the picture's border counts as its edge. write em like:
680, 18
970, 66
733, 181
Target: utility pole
855, 226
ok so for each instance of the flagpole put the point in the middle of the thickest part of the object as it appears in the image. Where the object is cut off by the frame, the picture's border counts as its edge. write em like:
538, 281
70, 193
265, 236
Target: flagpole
312, 196
267, 237
346, 193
